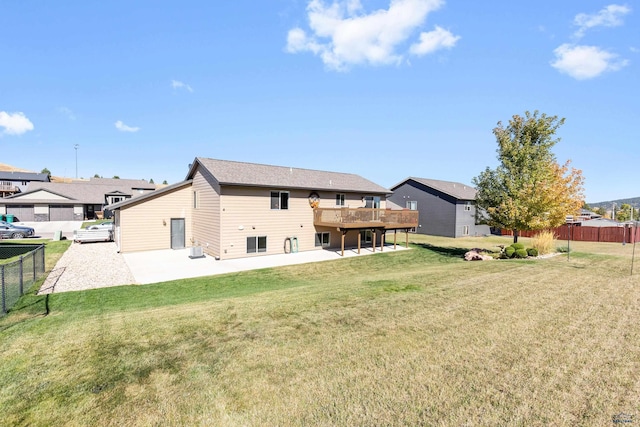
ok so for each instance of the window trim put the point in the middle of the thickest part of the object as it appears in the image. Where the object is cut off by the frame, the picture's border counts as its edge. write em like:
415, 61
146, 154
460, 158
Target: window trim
467, 206
257, 244
195, 199
279, 204
320, 239
340, 199
412, 202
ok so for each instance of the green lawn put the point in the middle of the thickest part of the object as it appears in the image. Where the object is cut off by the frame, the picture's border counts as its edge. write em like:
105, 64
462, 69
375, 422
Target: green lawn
414, 337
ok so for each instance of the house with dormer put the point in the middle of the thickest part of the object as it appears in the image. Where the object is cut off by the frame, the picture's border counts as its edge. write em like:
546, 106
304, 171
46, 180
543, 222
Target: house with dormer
71, 201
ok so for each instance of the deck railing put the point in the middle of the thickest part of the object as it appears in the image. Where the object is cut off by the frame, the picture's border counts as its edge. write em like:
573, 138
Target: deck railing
8, 187
364, 218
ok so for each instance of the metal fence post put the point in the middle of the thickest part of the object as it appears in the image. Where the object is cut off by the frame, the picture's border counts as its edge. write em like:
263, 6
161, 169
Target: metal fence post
21, 276
4, 297
33, 261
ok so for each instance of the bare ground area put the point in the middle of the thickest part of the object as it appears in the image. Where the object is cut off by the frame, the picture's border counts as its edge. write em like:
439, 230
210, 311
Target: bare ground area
88, 266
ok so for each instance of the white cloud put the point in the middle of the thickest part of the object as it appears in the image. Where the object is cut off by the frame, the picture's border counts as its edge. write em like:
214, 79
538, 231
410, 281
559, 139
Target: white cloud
585, 62
176, 84
342, 34
124, 128
67, 112
610, 16
434, 40
15, 123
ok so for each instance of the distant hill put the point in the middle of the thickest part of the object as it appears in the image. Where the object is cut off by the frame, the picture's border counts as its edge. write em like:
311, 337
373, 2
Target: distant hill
9, 168
633, 201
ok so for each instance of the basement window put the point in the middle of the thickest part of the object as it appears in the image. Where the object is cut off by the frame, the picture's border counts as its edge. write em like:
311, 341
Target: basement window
322, 239
256, 244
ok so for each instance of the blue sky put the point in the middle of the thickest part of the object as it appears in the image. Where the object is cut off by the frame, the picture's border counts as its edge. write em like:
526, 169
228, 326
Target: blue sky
384, 89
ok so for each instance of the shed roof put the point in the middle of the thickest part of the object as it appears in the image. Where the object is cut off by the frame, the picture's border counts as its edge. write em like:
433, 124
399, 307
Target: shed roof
455, 189
600, 222
258, 175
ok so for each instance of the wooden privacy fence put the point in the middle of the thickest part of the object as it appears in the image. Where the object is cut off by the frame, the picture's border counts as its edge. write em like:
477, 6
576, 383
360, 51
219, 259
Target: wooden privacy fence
626, 234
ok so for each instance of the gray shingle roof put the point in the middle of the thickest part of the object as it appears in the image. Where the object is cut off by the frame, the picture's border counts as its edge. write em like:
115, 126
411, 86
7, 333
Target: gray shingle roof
130, 183
258, 175
92, 191
147, 196
23, 176
455, 189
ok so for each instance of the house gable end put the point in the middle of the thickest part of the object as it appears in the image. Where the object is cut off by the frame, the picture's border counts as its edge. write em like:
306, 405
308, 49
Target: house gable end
40, 195
432, 191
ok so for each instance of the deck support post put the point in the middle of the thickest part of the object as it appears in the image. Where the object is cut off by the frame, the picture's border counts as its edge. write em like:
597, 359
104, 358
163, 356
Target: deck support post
406, 233
395, 238
374, 239
359, 237
343, 234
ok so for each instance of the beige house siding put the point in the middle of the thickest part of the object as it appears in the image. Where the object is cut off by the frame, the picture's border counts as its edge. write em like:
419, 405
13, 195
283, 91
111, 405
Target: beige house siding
206, 216
147, 226
246, 212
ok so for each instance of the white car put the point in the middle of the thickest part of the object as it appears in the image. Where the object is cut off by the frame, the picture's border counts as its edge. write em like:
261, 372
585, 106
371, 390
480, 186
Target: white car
107, 225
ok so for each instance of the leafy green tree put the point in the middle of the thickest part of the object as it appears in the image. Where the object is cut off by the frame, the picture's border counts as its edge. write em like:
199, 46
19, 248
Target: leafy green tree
151, 181
165, 182
529, 190
624, 213
116, 177
47, 171
601, 211
96, 176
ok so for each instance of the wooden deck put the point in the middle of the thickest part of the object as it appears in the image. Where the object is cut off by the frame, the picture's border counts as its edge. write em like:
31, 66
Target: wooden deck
361, 218
8, 188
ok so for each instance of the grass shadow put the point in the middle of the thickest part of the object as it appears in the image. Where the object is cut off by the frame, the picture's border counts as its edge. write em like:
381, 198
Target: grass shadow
445, 251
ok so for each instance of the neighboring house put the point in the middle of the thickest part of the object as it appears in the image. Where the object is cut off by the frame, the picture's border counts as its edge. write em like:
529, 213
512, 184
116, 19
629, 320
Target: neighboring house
585, 215
445, 208
78, 200
235, 210
16, 182
599, 222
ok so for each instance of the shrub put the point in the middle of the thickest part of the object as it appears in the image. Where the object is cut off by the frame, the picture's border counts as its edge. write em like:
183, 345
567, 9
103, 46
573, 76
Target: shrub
509, 251
532, 252
544, 242
517, 246
563, 249
521, 253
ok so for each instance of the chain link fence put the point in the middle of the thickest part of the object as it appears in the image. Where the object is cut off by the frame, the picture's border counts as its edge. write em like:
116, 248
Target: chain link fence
19, 274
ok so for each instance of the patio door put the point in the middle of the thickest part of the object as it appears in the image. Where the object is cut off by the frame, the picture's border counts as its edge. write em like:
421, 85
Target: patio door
373, 202
177, 233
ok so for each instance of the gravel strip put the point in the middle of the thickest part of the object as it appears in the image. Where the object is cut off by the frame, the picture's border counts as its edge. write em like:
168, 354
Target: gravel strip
88, 266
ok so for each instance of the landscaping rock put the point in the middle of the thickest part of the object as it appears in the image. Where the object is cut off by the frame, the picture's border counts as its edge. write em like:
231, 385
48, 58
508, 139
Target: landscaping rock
476, 255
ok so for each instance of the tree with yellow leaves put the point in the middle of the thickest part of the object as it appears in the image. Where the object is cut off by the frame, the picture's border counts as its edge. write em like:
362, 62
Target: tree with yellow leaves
529, 190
